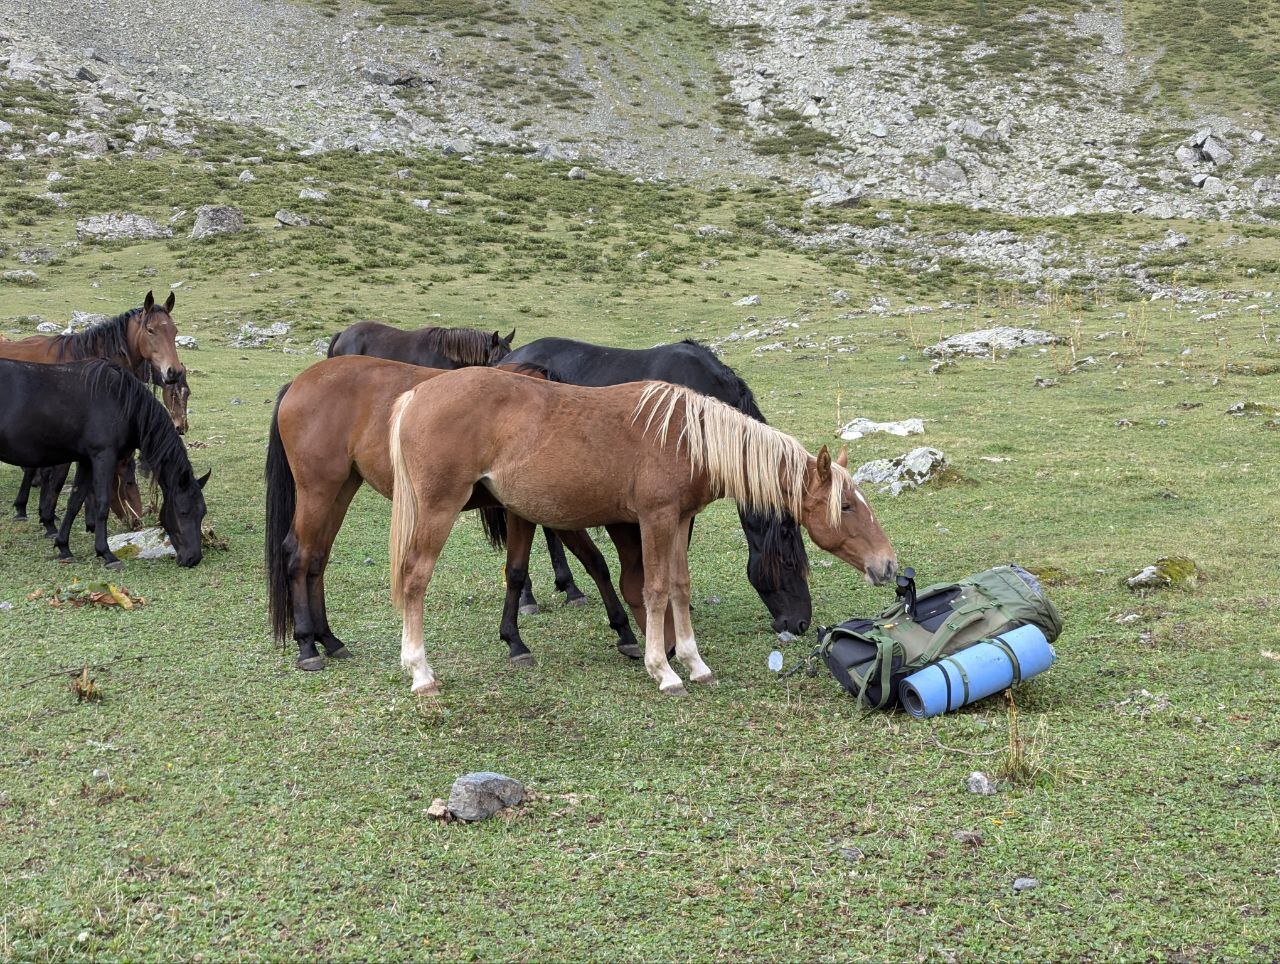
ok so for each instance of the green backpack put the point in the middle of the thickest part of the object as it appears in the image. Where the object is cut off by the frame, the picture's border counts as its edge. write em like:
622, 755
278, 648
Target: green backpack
869, 657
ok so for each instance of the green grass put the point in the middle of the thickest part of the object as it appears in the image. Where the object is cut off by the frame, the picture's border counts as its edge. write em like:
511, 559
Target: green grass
251, 810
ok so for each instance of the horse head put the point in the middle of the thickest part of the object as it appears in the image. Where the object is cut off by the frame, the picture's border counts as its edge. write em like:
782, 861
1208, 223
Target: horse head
840, 520
153, 338
499, 347
182, 513
175, 395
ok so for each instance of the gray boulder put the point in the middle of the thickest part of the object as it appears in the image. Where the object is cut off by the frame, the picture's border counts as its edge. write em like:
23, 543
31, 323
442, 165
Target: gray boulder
967, 127
946, 175
456, 146
215, 219
23, 276
577, 174
910, 471
478, 796
988, 341
290, 219
80, 320
1215, 151
187, 342
120, 226
313, 194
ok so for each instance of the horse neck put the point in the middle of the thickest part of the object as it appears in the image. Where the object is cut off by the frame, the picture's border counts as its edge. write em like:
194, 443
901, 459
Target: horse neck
135, 358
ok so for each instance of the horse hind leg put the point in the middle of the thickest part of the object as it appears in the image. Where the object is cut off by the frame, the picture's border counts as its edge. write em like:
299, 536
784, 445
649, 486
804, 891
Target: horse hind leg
24, 493
581, 545
686, 645
416, 569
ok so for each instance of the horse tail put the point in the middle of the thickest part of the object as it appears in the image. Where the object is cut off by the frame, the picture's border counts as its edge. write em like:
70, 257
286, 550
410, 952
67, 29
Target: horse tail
282, 500
404, 505
494, 522
333, 342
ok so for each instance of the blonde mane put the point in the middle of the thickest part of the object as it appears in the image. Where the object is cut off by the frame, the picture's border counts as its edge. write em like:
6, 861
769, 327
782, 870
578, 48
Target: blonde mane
760, 468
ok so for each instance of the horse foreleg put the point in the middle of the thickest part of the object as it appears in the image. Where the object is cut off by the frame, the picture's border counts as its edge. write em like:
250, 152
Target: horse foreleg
657, 536
24, 493
519, 541
79, 489
580, 544
306, 550
104, 473
626, 540
686, 645
573, 596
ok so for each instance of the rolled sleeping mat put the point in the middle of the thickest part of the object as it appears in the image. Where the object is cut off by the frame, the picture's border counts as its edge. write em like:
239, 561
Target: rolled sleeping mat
976, 672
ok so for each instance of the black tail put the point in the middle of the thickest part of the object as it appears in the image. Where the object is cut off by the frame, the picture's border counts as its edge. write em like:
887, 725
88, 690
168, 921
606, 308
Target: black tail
282, 499
494, 521
332, 341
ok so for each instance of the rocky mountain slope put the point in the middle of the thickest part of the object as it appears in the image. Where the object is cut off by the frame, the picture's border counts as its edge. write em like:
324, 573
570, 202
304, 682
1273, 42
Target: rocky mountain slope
1056, 108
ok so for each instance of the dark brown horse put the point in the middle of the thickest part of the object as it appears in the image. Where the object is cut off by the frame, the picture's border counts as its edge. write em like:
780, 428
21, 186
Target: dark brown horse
328, 436
440, 348
645, 453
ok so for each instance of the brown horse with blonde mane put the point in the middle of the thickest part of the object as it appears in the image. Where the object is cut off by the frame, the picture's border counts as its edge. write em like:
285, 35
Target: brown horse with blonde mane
328, 437
645, 453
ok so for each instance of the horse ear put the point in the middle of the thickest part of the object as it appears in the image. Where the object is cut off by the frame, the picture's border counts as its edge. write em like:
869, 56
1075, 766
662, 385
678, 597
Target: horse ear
511, 337
496, 340
149, 301
824, 465
204, 478
842, 459
170, 301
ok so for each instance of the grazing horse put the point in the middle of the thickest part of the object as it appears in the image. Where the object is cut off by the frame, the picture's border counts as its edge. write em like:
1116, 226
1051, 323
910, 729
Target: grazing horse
142, 341
95, 414
126, 499
777, 565
329, 435
646, 453
440, 348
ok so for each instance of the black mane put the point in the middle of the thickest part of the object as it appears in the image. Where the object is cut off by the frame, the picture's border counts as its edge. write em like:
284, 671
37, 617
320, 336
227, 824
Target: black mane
158, 441
107, 339
462, 346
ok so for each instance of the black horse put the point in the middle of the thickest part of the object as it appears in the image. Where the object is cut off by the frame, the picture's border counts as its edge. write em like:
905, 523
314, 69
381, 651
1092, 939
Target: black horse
445, 348
777, 564
95, 414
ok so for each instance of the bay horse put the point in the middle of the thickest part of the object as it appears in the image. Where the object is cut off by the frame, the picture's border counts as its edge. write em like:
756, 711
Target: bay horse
431, 347
328, 436
777, 564
94, 413
649, 454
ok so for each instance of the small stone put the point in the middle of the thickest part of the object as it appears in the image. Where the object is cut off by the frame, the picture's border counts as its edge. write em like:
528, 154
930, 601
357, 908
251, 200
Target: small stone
748, 301
906, 472
1046, 382
853, 854
100, 776
710, 231
980, 784
1170, 572
1025, 883
577, 174
861, 427
422, 202
438, 810
969, 838
187, 341
246, 177
478, 796
989, 341
119, 226
21, 277
289, 219
313, 194
840, 295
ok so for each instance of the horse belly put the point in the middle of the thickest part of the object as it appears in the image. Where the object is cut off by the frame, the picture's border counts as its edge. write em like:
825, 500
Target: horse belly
561, 503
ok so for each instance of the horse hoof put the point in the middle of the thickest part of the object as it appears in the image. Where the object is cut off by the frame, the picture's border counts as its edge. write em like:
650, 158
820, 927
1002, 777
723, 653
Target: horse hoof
427, 689
529, 609
523, 661
708, 680
631, 650
342, 653
677, 690
20, 518
66, 560
312, 664
578, 600
115, 565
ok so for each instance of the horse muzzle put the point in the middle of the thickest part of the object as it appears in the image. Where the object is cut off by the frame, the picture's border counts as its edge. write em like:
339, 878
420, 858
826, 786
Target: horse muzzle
882, 573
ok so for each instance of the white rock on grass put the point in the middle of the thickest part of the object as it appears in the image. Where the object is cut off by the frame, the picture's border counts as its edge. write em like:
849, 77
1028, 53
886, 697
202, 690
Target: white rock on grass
980, 784
215, 219
144, 544
313, 194
478, 796
120, 226
988, 340
577, 174
255, 336
748, 301
246, 177
81, 320
21, 277
861, 427
187, 341
289, 219
910, 471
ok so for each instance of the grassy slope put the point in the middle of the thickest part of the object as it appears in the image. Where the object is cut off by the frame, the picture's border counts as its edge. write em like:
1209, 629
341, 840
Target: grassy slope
254, 810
